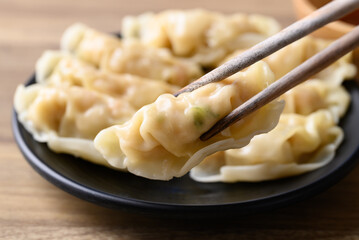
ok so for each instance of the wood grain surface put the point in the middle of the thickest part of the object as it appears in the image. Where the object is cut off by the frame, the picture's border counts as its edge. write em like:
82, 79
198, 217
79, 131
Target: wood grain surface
32, 208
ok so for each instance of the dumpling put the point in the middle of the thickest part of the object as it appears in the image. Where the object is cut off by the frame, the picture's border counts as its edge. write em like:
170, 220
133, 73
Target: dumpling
301, 50
314, 95
298, 144
154, 63
204, 36
128, 56
88, 44
291, 56
161, 141
68, 117
58, 68
68, 111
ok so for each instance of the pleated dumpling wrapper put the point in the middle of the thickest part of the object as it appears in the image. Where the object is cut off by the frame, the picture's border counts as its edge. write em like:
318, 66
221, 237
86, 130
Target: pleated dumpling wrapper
58, 68
67, 118
298, 144
203, 36
116, 55
162, 140
291, 56
314, 95
296, 53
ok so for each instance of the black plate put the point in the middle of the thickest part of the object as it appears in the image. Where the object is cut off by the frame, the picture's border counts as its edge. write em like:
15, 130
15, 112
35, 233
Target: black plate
183, 196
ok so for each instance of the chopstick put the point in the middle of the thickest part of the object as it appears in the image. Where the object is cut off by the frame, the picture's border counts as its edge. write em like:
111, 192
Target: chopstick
324, 15
328, 13
299, 74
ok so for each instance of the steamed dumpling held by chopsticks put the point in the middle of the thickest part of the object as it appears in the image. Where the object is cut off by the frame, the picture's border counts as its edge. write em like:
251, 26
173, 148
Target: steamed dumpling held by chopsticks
162, 140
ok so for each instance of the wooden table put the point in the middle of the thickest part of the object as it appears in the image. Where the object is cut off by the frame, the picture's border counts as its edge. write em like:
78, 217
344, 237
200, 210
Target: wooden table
32, 208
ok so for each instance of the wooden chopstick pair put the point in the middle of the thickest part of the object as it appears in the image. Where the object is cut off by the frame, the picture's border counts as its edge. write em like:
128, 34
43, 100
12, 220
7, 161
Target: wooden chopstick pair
328, 13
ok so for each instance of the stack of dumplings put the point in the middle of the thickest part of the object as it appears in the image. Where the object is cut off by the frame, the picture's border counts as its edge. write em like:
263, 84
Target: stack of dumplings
110, 100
